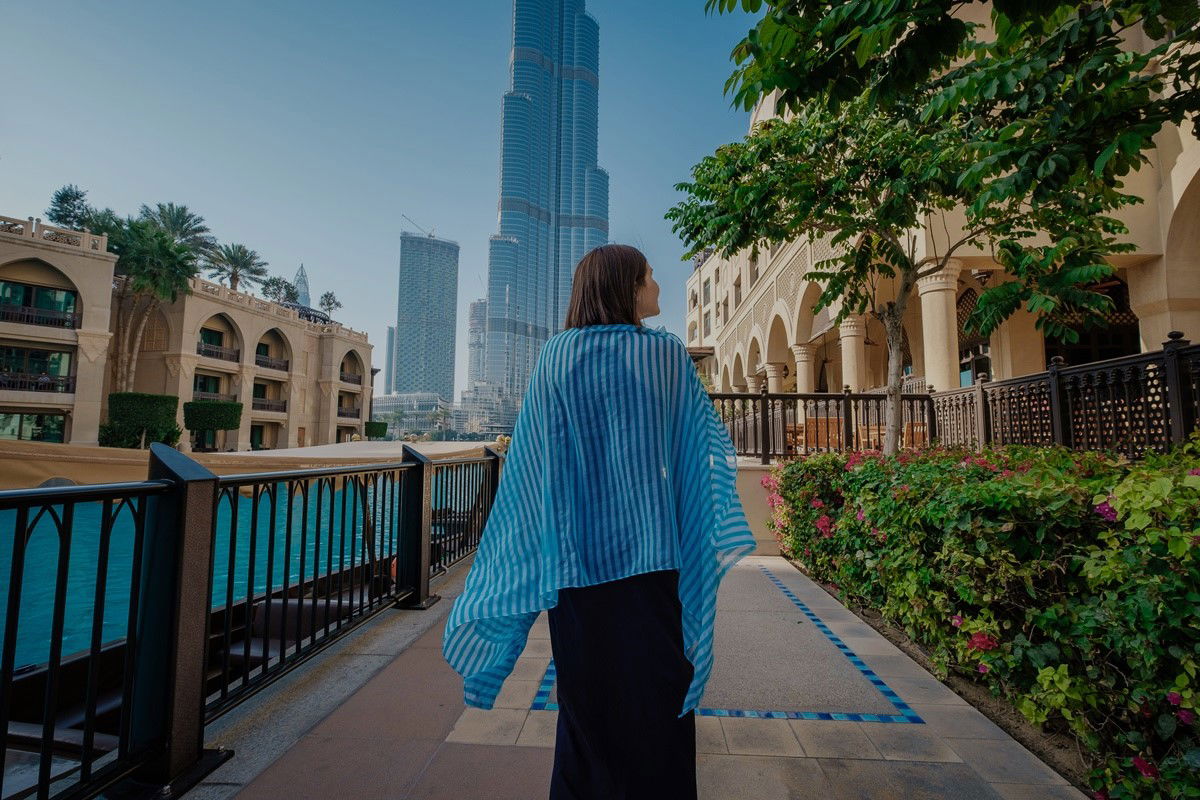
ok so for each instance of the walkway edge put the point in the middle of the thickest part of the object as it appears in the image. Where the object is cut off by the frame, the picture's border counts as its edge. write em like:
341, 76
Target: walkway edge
266, 726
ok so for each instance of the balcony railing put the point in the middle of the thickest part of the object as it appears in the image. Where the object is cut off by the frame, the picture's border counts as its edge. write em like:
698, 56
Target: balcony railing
32, 228
227, 576
1132, 405
24, 382
48, 317
216, 351
271, 363
353, 413
352, 377
227, 398
263, 404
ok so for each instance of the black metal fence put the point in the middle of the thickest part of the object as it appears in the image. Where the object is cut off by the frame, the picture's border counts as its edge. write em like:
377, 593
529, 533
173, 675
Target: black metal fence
164, 603
1130, 405
772, 425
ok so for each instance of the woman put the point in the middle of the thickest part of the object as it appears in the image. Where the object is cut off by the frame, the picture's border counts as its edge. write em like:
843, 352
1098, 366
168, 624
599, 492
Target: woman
617, 513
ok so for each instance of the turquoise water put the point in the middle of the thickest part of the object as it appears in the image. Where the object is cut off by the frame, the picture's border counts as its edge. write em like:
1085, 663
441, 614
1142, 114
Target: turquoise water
42, 553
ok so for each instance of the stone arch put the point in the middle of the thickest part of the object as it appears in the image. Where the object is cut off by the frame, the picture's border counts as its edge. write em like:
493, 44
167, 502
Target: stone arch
279, 345
802, 326
725, 385
353, 363
228, 326
739, 370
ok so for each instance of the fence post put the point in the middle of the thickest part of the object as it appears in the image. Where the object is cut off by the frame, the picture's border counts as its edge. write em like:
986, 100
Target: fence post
930, 414
414, 530
1059, 424
1179, 400
764, 424
847, 421
171, 659
983, 422
494, 466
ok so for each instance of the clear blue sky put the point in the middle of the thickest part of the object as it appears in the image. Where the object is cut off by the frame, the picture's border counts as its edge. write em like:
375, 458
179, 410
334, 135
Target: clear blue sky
304, 130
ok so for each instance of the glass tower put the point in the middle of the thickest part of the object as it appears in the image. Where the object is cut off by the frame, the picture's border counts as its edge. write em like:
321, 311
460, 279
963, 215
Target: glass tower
553, 197
422, 351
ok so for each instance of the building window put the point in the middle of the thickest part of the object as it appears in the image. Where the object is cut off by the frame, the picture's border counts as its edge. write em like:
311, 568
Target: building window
33, 427
206, 383
260, 391
38, 305
263, 349
725, 311
737, 292
31, 361
256, 434
753, 269
717, 275
707, 292
707, 325
210, 336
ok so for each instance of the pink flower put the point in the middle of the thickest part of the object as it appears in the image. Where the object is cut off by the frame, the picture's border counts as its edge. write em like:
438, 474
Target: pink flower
981, 641
1106, 511
818, 503
774, 500
956, 620
807, 552
1008, 473
825, 525
1185, 716
1174, 698
1099, 795
1145, 767
1194, 471
983, 667
860, 516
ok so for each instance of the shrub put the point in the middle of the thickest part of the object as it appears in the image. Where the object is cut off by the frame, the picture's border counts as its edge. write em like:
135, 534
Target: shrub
1067, 582
375, 429
132, 414
212, 415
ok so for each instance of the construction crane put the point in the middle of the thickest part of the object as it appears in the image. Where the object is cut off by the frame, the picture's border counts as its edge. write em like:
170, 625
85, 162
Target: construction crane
428, 233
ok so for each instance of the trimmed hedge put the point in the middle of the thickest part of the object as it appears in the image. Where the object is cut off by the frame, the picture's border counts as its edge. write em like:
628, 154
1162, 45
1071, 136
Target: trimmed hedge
212, 415
132, 414
1068, 583
375, 429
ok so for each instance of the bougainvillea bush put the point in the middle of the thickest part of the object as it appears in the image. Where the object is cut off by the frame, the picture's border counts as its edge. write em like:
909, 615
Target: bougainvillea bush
1068, 583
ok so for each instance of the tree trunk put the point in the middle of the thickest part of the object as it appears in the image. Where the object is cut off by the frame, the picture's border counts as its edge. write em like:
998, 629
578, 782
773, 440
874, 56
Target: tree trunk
233, 281
136, 346
893, 324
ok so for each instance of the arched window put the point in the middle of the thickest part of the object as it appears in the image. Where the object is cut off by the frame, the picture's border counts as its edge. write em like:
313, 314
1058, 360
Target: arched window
974, 358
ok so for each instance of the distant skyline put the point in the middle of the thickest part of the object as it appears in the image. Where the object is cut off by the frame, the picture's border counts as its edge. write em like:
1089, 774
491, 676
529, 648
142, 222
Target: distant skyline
305, 135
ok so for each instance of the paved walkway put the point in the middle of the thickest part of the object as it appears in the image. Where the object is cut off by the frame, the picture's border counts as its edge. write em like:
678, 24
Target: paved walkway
805, 700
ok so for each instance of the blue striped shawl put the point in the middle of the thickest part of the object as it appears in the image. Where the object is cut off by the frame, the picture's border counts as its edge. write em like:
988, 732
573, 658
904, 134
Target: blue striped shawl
619, 465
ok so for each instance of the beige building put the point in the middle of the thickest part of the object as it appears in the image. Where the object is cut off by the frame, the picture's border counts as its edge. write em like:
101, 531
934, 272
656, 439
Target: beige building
301, 380
750, 322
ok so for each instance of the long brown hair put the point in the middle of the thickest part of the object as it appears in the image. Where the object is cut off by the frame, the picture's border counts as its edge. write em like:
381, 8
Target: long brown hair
605, 286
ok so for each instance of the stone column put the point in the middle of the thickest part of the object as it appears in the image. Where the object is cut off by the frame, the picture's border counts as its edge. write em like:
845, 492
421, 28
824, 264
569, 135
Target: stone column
90, 363
181, 372
853, 339
805, 376
753, 382
939, 326
740, 388
775, 376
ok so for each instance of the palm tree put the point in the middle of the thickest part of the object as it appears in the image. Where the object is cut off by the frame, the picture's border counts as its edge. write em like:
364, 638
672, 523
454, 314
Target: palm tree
184, 226
155, 268
238, 263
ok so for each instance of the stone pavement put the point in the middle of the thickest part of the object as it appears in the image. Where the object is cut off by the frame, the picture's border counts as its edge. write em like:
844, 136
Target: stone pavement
805, 700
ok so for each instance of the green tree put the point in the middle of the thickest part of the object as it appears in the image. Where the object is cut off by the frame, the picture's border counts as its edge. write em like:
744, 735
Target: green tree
238, 263
280, 290
69, 207
329, 303
872, 178
155, 267
185, 227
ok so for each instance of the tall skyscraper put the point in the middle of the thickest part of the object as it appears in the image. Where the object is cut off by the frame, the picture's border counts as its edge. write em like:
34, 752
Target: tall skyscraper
426, 314
301, 284
389, 366
476, 326
553, 197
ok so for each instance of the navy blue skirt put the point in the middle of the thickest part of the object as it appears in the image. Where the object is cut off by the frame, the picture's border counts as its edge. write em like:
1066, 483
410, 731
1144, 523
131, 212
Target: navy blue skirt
621, 679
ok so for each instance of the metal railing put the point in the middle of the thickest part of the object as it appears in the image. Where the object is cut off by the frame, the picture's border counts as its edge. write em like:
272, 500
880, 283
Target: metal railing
786, 424
352, 377
271, 363
28, 382
216, 351
352, 413
222, 396
1131, 405
28, 315
263, 404
238, 578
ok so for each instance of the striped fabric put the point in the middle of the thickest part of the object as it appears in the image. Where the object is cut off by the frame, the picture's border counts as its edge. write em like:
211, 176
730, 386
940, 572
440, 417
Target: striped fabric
619, 465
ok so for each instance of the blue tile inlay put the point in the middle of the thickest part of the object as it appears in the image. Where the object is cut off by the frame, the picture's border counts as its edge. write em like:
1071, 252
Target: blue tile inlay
541, 701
